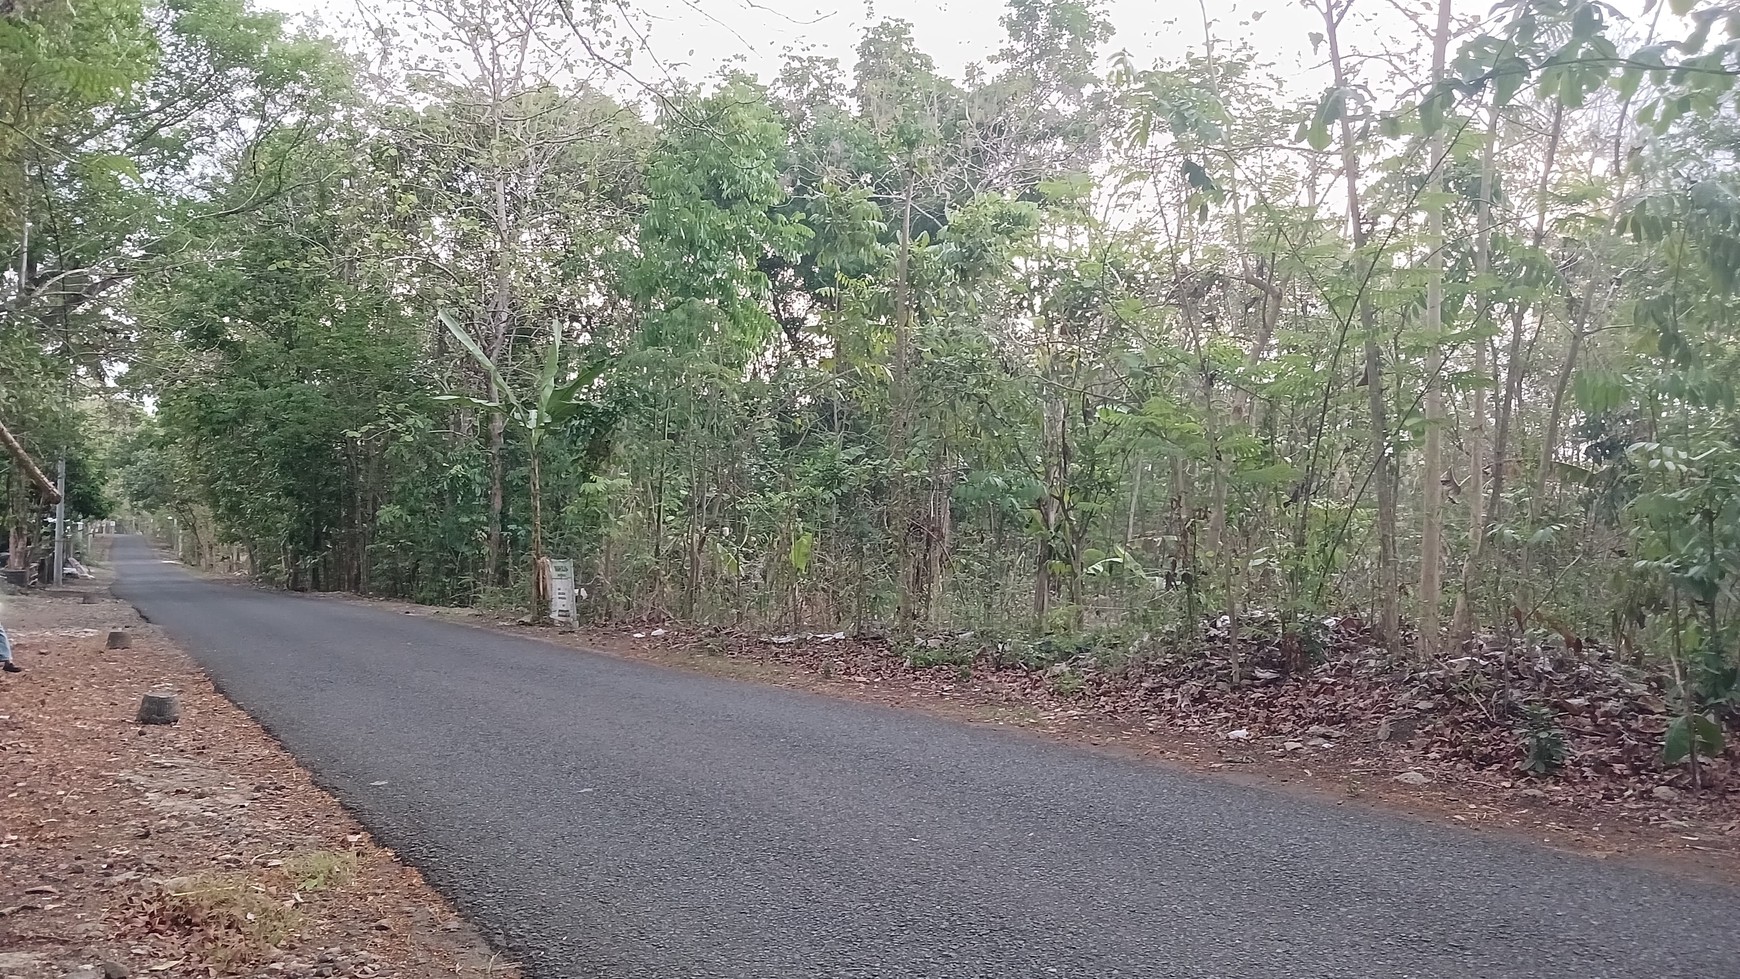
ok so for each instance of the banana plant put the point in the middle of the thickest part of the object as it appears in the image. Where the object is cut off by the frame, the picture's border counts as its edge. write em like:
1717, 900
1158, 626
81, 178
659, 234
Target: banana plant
550, 403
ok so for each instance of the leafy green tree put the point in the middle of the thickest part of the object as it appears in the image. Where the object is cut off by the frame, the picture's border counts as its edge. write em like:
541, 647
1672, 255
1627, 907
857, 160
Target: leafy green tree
1168, 352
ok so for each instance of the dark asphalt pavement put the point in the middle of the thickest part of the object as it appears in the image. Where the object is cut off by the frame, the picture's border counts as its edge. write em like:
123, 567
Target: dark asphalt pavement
603, 818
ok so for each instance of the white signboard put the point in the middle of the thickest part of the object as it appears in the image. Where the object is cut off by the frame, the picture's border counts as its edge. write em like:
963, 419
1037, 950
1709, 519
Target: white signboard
562, 592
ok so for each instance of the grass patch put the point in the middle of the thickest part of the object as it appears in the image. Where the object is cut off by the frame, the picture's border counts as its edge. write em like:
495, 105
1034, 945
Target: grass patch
501, 599
921, 657
1066, 682
321, 870
236, 920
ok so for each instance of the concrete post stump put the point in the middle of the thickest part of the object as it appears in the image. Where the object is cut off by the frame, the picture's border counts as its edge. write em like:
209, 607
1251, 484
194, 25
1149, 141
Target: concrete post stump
119, 639
160, 707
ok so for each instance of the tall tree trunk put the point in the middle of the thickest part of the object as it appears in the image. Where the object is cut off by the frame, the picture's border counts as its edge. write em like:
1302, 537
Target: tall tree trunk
1431, 490
1382, 463
1217, 469
1236, 306
1270, 318
699, 489
1462, 619
540, 573
1555, 413
494, 568
1511, 402
1580, 320
1045, 552
1184, 554
939, 527
907, 523
1136, 467
44, 485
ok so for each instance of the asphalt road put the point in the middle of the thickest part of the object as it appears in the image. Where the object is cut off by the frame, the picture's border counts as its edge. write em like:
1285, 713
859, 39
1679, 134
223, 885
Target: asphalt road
603, 818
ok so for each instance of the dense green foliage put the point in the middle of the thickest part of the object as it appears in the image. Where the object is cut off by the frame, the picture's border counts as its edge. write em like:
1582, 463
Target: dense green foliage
1053, 347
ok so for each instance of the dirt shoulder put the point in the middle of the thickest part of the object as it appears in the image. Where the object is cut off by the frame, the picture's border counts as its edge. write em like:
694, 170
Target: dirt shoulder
194, 848
1319, 738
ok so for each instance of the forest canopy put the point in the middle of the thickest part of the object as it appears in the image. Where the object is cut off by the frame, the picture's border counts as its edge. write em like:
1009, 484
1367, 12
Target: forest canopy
1070, 345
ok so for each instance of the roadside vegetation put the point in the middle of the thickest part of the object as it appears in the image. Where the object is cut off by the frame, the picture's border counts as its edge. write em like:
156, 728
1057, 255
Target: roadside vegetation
1416, 367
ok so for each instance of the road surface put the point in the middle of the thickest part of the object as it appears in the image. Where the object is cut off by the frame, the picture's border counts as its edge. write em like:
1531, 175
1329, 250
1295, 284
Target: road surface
603, 818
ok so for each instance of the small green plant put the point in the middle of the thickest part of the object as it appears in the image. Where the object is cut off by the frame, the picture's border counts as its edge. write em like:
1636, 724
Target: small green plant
1061, 620
922, 657
1543, 742
320, 870
499, 599
1303, 640
1691, 735
1014, 651
1066, 682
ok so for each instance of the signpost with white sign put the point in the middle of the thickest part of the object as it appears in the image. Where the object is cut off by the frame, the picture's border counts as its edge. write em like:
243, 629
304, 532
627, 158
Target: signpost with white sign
562, 592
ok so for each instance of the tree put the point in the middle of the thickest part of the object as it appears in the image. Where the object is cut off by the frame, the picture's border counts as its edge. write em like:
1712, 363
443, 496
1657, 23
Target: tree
1066, 358
1337, 106
507, 154
549, 403
1431, 484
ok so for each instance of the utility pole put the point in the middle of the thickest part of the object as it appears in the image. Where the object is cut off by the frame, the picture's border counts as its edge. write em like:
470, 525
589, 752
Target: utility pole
59, 573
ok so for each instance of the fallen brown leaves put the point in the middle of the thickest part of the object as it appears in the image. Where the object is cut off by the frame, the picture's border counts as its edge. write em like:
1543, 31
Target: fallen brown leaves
198, 848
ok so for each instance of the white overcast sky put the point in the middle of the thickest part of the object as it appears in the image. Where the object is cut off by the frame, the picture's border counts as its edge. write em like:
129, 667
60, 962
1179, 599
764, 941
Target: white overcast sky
954, 32
693, 38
